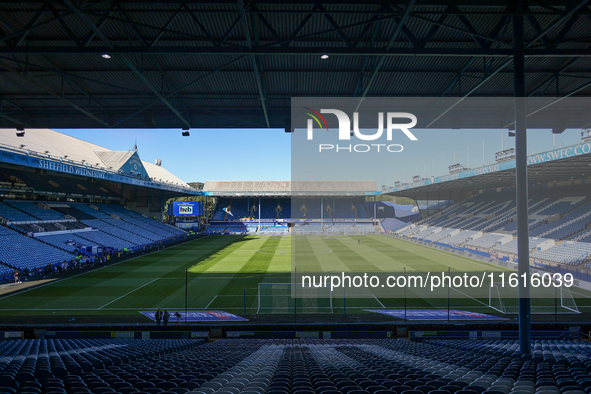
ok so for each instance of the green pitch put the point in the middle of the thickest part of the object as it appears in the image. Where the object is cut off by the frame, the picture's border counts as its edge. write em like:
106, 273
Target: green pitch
224, 273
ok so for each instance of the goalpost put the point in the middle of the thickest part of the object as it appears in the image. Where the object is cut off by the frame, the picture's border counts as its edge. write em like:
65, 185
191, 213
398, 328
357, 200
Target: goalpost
503, 298
279, 298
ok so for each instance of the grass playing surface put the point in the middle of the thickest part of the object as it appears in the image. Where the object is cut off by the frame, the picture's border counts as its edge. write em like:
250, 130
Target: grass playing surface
224, 272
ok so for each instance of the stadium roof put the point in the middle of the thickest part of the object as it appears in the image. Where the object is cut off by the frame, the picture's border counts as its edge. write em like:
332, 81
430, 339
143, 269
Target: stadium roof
55, 149
289, 188
567, 164
231, 63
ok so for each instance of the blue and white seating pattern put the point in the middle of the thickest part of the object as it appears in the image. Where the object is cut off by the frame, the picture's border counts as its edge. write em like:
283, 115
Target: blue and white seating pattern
31, 208
104, 239
284, 366
438, 236
511, 247
116, 232
423, 233
61, 241
19, 251
487, 241
575, 221
392, 224
569, 252
13, 214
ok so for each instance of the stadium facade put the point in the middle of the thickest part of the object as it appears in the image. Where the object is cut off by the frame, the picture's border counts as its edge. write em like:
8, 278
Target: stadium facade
67, 201
281, 207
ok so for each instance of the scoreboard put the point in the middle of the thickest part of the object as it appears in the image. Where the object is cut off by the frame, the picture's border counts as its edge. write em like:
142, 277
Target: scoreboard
185, 208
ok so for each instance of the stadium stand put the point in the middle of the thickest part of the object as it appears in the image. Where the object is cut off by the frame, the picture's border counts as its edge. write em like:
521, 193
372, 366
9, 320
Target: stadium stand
79, 365
288, 187
557, 213
460, 238
569, 252
141, 221
485, 242
115, 231
13, 214
392, 224
92, 212
34, 210
511, 247
423, 233
314, 228
285, 205
68, 242
407, 232
275, 366
577, 220
583, 236
21, 252
365, 228
72, 211
214, 229
273, 230
106, 239
438, 236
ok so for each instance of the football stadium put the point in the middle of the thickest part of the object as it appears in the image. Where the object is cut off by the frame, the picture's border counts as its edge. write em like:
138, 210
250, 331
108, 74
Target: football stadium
260, 235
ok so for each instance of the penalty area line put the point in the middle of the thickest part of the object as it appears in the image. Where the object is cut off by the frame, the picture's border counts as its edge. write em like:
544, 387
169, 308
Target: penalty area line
380, 302
126, 294
212, 300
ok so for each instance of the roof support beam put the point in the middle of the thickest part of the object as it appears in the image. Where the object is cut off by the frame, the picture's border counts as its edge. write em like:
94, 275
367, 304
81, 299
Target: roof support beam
457, 29
167, 24
367, 59
405, 15
32, 22
300, 27
257, 74
433, 30
71, 35
468, 26
193, 82
536, 26
100, 23
198, 23
129, 64
338, 29
509, 59
558, 22
26, 63
145, 42
29, 29
24, 81
158, 28
289, 51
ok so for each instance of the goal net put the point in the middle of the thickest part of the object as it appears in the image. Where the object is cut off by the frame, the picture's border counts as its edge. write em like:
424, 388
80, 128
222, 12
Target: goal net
552, 299
284, 298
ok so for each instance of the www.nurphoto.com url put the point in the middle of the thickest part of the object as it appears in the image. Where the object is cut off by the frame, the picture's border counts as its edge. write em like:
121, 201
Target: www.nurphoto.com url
436, 280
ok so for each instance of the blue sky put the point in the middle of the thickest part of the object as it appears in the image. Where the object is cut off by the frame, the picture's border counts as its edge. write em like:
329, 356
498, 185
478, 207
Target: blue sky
265, 154
206, 155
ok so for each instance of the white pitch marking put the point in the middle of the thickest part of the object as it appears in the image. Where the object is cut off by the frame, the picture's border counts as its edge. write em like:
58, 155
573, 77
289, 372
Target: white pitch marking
211, 301
380, 302
126, 294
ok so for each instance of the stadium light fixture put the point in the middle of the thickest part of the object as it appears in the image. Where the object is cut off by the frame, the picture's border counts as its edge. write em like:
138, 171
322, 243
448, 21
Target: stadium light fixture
20, 131
106, 56
324, 57
186, 132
